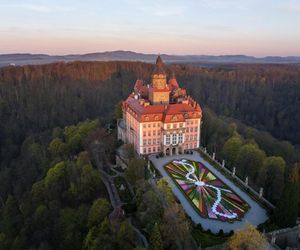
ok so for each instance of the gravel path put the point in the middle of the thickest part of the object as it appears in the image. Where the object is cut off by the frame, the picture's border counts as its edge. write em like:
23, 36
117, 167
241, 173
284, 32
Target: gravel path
255, 215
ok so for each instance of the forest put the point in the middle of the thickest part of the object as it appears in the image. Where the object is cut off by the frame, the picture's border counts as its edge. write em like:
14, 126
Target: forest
49, 187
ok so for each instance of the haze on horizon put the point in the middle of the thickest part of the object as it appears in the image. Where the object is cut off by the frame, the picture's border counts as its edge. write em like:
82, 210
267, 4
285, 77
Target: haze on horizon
212, 27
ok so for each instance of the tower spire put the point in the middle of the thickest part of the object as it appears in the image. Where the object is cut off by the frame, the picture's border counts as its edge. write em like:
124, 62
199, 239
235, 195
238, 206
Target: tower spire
159, 66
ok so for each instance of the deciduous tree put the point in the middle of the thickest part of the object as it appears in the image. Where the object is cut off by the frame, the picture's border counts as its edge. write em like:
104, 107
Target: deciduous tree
247, 239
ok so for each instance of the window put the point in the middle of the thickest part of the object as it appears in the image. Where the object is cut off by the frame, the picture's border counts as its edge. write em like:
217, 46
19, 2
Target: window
174, 139
195, 137
149, 141
158, 149
144, 133
167, 139
180, 138
191, 130
149, 133
149, 150
149, 125
144, 125
187, 137
187, 130
154, 141
174, 125
192, 122
144, 142
180, 125
154, 133
158, 132
196, 129
153, 149
144, 150
168, 126
154, 125
158, 141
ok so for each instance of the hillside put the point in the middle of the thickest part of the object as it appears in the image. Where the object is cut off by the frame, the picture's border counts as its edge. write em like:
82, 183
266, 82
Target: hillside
40, 97
23, 59
53, 138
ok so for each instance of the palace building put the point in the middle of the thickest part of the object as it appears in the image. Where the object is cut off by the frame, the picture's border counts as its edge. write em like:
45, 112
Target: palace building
160, 117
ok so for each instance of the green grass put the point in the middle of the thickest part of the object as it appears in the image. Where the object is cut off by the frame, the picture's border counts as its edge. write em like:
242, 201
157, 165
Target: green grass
125, 194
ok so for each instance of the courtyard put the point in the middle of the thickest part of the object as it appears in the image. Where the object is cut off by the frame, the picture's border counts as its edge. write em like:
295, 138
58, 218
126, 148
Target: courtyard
207, 196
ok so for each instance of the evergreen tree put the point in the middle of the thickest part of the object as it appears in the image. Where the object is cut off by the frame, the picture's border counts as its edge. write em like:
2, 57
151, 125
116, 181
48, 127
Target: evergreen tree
286, 211
156, 242
125, 236
271, 177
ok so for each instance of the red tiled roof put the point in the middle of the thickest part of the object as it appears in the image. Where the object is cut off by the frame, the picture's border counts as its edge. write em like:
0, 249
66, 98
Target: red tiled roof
138, 85
162, 112
173, 84
144, 112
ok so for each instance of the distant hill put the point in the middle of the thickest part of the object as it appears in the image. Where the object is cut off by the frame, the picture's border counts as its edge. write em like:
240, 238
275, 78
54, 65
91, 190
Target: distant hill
23, 59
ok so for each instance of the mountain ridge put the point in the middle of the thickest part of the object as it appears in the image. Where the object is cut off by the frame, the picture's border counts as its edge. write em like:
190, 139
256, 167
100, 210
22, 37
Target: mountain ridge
122, 55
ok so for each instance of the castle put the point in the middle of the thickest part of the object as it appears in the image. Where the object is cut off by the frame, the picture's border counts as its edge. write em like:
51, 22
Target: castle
160, 117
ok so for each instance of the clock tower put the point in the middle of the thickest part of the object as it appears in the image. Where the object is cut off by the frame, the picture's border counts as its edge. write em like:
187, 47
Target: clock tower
159, 92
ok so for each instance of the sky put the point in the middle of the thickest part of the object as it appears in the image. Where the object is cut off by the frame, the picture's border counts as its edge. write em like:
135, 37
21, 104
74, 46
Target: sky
210, 27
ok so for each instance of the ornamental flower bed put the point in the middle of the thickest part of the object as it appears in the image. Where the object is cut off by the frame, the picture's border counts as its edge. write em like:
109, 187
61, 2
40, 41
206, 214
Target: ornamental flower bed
210, 197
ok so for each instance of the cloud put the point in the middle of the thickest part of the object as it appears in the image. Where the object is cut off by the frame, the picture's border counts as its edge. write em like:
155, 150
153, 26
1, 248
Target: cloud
170, 11
289, 6
159, 8
42, 8
223, 4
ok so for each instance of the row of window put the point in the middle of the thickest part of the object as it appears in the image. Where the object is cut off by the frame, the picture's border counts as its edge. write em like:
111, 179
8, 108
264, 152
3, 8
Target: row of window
191, 122
195, 129
150, 141
154, 133
154, 125
151, 150
174, 125
176, 138
191, 137
190, 145
169, 126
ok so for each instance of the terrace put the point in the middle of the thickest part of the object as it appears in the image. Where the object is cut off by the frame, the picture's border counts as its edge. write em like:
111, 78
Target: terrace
207, 196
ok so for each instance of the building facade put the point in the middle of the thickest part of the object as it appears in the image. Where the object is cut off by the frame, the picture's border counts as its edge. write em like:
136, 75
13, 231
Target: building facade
160, 117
